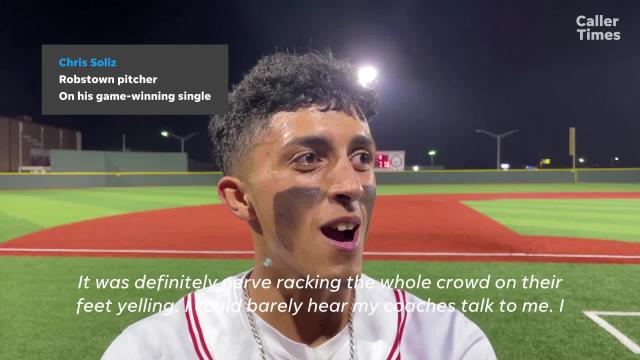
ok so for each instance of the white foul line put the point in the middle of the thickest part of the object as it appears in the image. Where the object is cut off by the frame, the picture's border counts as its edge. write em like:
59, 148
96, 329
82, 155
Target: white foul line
132, 251
368, 253
588, 256
595, 316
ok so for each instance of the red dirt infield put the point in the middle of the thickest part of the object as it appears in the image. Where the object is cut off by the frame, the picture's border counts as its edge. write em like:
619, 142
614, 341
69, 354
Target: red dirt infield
404, 227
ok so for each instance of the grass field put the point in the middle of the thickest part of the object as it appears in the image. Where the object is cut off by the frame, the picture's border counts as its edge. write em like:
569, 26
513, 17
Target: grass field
26, 211
23, 212
41, 301
43, 304
613, 219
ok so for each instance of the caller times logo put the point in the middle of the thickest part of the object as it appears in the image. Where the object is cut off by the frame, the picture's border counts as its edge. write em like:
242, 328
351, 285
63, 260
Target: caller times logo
597, 22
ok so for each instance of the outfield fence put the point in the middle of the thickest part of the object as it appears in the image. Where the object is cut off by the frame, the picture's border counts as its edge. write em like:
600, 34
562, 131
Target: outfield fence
55, 180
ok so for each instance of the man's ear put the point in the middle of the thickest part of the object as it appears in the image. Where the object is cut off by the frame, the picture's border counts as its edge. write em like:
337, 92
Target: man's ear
231, 191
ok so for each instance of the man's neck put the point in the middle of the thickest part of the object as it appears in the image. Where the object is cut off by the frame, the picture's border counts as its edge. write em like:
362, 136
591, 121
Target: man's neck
308, 326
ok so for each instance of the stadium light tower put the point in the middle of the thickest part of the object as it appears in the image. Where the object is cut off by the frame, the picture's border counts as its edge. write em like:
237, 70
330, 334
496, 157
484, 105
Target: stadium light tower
432, 153
614, 160
182, 139
367, 75
498, 138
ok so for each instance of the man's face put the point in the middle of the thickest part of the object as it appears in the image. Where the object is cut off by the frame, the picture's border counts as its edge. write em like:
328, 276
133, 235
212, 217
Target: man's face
310, 181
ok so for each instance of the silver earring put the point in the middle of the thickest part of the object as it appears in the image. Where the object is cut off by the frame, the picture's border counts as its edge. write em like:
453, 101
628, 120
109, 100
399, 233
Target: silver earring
267, 262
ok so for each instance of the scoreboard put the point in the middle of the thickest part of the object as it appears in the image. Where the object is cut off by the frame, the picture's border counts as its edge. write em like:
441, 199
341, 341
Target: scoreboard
389, 160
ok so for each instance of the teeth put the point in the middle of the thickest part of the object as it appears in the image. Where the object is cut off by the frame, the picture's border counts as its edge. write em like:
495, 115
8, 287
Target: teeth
343, 226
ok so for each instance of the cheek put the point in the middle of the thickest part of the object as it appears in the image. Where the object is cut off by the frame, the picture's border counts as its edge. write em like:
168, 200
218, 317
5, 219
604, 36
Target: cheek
369, 198
368, 201
290, 207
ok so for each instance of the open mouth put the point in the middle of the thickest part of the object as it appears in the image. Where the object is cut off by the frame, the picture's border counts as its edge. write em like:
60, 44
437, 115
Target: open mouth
341, 232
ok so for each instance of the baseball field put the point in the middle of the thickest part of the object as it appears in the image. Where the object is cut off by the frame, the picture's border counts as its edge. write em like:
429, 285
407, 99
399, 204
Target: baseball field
588, 235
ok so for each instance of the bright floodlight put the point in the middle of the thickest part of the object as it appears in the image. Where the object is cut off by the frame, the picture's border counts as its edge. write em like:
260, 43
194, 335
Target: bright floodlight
505, 166
367, 75
416, 168
432, 153
616, 158
581, 160
165, 133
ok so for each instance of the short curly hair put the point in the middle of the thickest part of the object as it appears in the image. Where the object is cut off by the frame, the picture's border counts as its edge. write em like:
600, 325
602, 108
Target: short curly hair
285, 82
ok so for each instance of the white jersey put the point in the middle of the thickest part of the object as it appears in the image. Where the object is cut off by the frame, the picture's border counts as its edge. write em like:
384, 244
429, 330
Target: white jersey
203, 326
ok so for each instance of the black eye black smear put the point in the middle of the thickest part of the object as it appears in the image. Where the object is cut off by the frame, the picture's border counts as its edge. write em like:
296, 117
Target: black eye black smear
368, 199
290, 206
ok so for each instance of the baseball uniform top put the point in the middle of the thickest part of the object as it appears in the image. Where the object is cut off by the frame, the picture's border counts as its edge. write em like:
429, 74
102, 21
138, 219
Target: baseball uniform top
212, 323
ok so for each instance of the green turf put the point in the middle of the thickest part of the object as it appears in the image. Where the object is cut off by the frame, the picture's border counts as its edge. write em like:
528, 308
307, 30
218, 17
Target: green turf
26, 211
23, 212
612, 219
628, 325
43, 291
41, 304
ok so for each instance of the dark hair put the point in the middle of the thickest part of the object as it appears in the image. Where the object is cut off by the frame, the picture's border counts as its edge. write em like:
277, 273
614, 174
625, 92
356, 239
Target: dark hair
285, 82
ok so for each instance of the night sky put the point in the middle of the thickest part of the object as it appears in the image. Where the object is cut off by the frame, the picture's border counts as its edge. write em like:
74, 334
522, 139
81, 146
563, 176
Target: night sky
446, 69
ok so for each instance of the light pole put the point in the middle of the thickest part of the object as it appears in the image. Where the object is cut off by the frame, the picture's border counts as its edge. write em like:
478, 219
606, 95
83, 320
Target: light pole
581, 161
498, 138
615, 158
432, 153
182, 139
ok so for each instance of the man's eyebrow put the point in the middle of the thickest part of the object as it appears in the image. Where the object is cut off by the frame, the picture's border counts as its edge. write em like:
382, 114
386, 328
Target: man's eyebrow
310, 141
362, 141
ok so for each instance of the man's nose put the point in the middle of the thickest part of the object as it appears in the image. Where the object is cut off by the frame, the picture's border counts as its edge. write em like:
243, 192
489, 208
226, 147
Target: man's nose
345, 184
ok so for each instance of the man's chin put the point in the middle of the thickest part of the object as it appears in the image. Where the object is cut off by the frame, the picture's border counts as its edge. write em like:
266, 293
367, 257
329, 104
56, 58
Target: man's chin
342, 272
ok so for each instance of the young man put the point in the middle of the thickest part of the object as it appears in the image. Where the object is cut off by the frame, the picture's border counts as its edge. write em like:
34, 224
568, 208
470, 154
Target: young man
297, 157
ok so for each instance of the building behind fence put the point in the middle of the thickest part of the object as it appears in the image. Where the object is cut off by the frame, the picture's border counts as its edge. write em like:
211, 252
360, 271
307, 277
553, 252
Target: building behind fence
25, 145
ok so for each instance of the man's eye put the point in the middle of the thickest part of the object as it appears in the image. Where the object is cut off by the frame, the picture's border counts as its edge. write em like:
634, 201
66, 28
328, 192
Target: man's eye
306, 159
364, 158
362, 161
